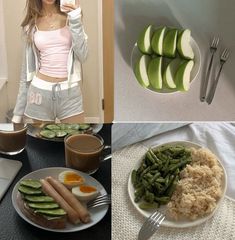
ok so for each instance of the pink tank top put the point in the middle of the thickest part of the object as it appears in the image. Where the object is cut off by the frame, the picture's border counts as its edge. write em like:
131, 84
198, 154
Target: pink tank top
54, 47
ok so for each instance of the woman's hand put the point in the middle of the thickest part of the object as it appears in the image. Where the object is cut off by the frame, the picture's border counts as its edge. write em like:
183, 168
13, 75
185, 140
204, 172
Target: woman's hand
70, 7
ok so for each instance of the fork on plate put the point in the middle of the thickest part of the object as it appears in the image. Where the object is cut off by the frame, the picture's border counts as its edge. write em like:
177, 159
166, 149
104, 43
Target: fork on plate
100, 201
213, 48
151, 225
224, 57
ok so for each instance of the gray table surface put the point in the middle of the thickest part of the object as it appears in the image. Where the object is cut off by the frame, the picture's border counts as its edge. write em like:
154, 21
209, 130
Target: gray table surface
205, 18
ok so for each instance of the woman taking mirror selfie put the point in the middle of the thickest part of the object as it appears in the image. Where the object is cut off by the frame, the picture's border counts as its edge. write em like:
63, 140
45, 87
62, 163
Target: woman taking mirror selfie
55, 47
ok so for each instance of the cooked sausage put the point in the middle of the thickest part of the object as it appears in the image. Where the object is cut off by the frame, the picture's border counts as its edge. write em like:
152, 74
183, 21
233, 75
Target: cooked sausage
73, 216
70, 199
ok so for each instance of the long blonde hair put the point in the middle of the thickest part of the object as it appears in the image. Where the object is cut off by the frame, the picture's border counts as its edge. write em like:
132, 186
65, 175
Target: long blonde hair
33, 11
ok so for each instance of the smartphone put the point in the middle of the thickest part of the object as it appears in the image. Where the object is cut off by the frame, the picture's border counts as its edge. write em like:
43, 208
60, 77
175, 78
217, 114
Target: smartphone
8, 170
62, 2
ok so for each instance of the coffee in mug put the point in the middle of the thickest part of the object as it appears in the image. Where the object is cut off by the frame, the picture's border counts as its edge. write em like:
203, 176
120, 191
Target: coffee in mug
12, 138
84, 152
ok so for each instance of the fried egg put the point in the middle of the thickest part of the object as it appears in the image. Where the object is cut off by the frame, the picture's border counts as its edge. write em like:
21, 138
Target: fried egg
85, 192
70, 179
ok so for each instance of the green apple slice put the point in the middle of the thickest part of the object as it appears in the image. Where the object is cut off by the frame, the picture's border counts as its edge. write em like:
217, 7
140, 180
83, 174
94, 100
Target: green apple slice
182, 77
141, 69
157, 40
183, 45
169, 43
155, 73
144, 41
170, 73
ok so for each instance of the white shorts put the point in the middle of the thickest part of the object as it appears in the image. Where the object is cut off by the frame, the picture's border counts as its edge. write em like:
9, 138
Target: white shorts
48, 101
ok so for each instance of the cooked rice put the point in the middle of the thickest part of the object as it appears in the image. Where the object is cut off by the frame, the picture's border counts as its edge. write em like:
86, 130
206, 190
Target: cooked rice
199, 189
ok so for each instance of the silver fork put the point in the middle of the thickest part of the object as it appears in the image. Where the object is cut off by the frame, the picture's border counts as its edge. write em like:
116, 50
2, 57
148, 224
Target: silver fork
224, 57
151, 225
100, 201
213, 49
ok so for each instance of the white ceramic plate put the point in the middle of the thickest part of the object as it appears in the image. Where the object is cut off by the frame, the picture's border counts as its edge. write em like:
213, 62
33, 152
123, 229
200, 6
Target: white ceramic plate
136, 54
96, 213
34, 131
169, 222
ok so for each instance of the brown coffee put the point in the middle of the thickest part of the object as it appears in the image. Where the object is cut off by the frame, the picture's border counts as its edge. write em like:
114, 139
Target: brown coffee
83, 152
12, 141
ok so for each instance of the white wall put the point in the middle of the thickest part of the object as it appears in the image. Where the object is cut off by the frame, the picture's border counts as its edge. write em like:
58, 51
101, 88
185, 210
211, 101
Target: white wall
12, 19
92, 68
3, 57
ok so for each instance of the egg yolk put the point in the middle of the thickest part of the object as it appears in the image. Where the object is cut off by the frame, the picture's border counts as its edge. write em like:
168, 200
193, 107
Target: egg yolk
87, 189
72, 177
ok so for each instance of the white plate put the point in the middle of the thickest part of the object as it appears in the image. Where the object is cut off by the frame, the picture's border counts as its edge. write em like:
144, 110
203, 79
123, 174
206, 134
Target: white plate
136, 54
169, 222
96, 213
34, 131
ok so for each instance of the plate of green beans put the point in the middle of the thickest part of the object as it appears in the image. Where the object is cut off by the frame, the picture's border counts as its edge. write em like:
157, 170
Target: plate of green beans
153, 180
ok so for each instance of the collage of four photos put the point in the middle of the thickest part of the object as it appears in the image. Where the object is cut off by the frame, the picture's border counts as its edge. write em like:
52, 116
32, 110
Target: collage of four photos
117, 120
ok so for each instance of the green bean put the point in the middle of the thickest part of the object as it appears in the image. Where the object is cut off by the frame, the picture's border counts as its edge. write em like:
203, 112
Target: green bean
145, 183
172, 167
138, 184
153, 172
158, 186
134, 177
171, 179
179, 165
165, 168
148, 175
147, 161
171, 189
146, 206
162, 157
154, 166
149, 197
145, 171
174, 161
137, 199
157, 174
139, 192
150, 158
162, 200
156, 159
167, 179
161, 180
177, 171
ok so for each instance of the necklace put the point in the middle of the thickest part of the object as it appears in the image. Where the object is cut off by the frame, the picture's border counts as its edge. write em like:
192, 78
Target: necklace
50, 19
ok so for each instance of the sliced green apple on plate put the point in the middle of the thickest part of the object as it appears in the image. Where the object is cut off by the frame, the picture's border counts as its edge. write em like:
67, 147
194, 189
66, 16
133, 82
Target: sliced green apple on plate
169, 43
182, 78
170, 73
183, 45
141, 70
155, 73
144, 41
157, 40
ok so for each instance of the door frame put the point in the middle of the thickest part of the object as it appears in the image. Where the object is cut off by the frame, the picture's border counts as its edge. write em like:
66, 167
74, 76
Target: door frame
108, 59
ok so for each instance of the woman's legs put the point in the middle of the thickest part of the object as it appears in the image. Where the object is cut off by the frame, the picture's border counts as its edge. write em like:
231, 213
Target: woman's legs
75, 119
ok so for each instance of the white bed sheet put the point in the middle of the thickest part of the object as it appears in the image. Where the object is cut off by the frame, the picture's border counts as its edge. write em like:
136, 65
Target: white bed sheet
219, 137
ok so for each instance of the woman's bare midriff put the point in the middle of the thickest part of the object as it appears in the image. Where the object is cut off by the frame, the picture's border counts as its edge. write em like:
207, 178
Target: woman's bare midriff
50, 79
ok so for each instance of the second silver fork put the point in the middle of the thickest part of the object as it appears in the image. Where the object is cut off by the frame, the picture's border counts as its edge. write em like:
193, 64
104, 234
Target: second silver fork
213, 49
224, 57
100, 201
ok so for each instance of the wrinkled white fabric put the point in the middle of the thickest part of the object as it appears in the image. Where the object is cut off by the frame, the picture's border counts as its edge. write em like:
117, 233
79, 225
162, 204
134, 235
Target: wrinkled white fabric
127, 133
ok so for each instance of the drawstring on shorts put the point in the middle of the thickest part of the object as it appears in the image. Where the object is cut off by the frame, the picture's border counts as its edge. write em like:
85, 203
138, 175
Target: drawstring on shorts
56, 94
